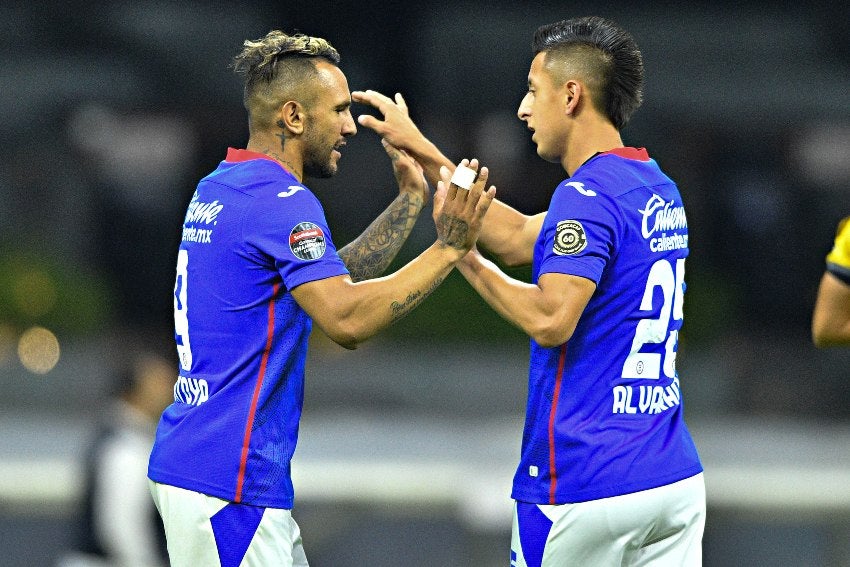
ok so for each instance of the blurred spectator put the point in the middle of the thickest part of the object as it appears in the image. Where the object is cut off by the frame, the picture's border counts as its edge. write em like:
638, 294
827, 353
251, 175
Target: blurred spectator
119, 525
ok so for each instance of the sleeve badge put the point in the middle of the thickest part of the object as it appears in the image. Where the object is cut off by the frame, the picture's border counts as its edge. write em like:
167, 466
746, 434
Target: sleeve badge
570, 238
307, 241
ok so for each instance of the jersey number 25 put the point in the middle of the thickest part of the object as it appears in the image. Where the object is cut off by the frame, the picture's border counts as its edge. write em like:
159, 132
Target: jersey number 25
649, 364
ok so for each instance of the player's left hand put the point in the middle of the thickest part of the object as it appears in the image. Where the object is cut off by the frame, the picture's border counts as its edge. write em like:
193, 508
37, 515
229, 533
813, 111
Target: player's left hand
396, 127
408, 173
459, 212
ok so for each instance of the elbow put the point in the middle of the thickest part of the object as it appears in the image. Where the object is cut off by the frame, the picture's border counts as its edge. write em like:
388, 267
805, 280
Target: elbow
514, 261
549, 340
551, 335
826, 333
824, 338
347, 334
818, 338
507, 256
510, 258
347, 343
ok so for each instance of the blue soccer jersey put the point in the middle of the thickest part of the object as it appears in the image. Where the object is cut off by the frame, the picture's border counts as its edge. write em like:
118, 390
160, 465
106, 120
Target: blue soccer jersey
604, 415
251, 234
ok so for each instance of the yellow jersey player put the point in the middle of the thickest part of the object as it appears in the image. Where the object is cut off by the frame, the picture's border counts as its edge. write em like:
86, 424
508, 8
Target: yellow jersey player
831, 317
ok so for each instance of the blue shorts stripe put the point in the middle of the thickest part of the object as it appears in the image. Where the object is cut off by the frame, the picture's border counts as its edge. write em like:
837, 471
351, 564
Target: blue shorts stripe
534, 528
234, 527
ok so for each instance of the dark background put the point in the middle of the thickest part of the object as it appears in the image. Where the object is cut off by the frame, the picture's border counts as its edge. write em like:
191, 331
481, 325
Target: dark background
111, 111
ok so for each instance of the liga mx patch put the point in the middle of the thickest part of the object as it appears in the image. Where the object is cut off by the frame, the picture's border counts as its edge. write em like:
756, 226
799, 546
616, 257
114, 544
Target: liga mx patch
307, 241
570, 238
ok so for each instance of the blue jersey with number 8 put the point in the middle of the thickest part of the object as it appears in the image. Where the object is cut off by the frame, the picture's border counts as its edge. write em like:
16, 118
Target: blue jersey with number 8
251, 234
604, 415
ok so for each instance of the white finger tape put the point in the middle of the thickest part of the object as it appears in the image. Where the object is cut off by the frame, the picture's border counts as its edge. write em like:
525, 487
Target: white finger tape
464, 176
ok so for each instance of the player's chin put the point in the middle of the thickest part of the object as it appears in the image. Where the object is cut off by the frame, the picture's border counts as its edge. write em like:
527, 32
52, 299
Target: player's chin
329, 170
332, 164
321, 171
548, 156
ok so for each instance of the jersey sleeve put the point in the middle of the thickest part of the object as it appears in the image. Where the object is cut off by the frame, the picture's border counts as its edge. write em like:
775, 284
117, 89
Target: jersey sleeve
838, 259
579, 232
294, 233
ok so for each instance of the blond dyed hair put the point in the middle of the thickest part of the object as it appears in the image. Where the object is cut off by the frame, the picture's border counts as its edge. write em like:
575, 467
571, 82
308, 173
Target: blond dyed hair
277, 68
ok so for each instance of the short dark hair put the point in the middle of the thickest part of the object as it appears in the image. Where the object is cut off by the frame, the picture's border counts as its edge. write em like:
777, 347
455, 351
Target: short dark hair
277, 65
610, 55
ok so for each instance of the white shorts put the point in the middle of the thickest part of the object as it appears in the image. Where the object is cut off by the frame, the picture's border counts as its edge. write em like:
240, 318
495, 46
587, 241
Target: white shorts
208, 531
658, 527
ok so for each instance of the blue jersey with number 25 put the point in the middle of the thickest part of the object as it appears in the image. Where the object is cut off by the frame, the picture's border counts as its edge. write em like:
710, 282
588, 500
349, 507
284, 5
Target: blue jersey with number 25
604, 415
251, 234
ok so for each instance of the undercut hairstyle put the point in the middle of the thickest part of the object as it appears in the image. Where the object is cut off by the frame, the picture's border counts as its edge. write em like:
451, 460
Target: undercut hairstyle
603, 54
278, 68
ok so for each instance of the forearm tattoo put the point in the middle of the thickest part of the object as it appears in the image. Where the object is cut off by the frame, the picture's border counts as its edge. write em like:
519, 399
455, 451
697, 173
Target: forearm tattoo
452, 231
373, 251
414, 298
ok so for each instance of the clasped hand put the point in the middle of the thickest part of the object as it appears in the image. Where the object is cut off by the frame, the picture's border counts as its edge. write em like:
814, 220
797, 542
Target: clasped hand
458, 212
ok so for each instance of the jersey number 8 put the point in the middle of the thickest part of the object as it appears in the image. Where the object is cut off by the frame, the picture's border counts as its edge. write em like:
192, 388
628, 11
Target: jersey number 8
181, 311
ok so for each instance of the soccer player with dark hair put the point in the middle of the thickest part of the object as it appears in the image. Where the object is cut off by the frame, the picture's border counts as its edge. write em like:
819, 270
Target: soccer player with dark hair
256, 267
831, 315
609, 474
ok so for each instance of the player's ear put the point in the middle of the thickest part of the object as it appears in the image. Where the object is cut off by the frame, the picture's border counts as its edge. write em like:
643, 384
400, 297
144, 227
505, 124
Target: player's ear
291, 117
573, 93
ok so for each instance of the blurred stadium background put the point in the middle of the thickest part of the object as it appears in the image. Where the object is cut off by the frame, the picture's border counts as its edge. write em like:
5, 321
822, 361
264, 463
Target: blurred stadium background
111, 111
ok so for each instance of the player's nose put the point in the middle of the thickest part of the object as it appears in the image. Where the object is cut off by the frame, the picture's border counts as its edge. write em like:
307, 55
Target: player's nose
349, 127
524, 110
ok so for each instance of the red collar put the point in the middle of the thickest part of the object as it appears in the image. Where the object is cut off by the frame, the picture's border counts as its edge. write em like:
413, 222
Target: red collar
639, 154
235, 156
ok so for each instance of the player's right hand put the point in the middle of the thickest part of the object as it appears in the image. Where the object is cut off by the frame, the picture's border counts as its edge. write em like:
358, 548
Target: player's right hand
408, 173
458, 212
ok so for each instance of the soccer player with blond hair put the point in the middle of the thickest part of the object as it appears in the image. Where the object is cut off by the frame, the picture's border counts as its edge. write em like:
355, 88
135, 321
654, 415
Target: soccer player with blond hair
256, 268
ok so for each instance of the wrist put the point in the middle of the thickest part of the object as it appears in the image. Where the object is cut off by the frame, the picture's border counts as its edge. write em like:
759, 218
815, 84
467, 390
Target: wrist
471, 261
413, 193
452, 254
424, 151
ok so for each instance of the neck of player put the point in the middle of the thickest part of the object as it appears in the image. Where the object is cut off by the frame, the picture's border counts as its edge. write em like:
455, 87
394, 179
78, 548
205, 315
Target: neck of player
584, 143
287, 154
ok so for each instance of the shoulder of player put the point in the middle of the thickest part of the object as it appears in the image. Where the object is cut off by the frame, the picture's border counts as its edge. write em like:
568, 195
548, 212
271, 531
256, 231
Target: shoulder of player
286, 193
282, 205
614, 176
263, 195
277, 189
842, 232
257, 177
585, 186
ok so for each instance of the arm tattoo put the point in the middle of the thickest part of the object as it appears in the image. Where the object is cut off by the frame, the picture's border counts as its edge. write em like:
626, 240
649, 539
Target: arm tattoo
452, 231
414, 298
371, 252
